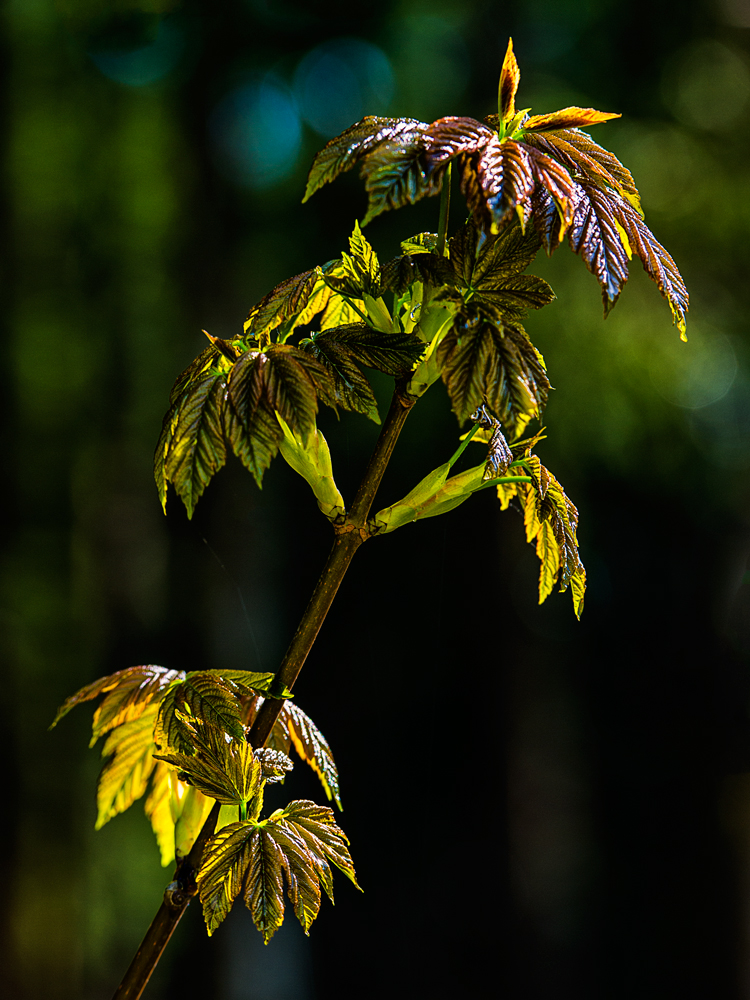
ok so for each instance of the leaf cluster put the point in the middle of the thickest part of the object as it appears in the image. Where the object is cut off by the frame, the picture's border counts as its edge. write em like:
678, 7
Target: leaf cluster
159, 722
289, 853
536, 168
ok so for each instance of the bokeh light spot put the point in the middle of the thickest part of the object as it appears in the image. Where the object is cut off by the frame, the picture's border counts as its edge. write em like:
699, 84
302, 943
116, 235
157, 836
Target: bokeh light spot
695, 374
146, 64
341, 81
707, 86
256, 133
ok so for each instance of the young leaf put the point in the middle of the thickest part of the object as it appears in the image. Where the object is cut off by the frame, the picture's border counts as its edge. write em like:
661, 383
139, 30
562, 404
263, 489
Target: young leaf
390, 353
316, 826
486, 358
287, 299
430, 268
567, 118
495, 181
158, 809
207, 697
510, 76
657, 263
133, 690
250, 424
227, 771
191, 448
499, 454
294, 727
265, 882
395, 175
347, 149
586, 160
303, 887
594, 235
551, 521
350, 388
125, 775
225, 864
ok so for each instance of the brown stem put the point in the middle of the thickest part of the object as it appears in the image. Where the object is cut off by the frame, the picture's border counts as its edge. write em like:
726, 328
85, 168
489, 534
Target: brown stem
349, 537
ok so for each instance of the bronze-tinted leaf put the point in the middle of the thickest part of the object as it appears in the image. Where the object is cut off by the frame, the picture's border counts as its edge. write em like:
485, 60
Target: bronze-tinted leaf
264, 883
316, 825
396, 174
287, 299
567, 118
452, 136
350, 388
250, 425
137, 687
204, 695
226, 860
556, 180
191, 449
657, 262
227, 771
303, 887
347, 149
495, 182
499, 455
208, 358
551, 521
390, 353
485, 358
546, 218
510, 76
517, 294
585, 160
594, 235
503, 256
294, 727
430, 268
584, 144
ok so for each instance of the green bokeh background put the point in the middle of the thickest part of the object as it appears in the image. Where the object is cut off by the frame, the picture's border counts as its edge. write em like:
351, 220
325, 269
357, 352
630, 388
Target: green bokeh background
560, 809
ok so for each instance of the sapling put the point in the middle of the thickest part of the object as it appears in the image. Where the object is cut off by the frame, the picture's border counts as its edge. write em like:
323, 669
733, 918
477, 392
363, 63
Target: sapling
201, 746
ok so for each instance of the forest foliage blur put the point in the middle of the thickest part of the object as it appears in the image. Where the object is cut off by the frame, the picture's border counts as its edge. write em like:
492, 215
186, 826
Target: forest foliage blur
154, 160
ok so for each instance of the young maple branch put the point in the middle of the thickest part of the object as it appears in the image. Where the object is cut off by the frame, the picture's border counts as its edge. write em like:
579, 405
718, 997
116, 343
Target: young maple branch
349, 537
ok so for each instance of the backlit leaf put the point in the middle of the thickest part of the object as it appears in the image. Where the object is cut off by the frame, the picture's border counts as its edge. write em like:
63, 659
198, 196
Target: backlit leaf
294, 727
125, 775
158, 809
585, 160
226, 860
594, 235
395, 175
495, 181
390, 353
429, 268
567, 118
350, 388
191, 448
225, 770
510, 76
316, 825
452, 136
499, 455
287, 299
347, 149
250, 424
265, 882
303, 888
657, 263
133, 690
551, 522
484, 358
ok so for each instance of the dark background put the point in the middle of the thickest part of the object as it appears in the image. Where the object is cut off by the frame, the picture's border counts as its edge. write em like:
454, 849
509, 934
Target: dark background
537, 807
